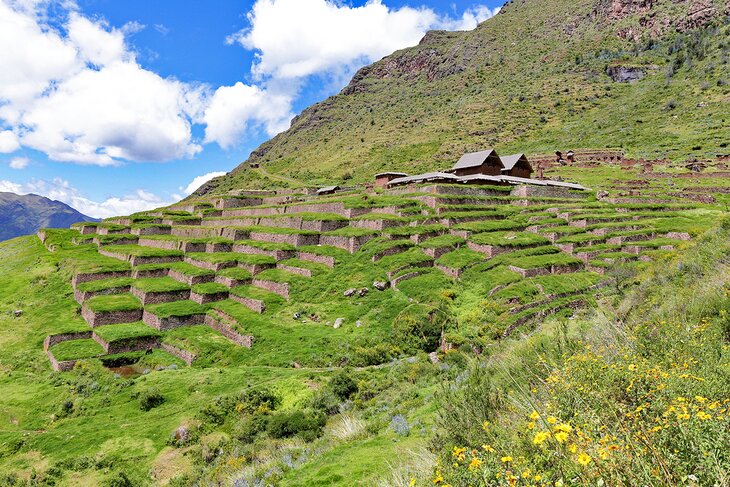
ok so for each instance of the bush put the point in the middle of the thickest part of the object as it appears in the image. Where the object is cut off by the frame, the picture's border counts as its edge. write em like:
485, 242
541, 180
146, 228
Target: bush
248, 428
150, 399
307, 426
120, 480
342, 385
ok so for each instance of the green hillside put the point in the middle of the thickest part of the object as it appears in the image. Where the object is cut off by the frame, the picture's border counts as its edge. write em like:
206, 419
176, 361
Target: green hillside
533, 79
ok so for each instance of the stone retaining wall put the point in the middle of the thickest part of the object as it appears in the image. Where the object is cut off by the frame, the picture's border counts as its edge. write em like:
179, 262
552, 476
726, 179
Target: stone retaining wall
427, 263
52, 340
390, 251
80, 296
291, 239
97, 276
255, 305
231, 282
172, 322
280, 288
184, 355
255, 268
196, 232
316, 258
462, 190
134, 344
295, 270
351, 244
190, 280
122, 241
450, 271
579, 303
324, 225
111, 231
136, 260
151, 231
110, 317
157, 297
63, 366
394, 282
208, 297
526, 191
276, 254
150, 273
211, 266
159, 244
228, 332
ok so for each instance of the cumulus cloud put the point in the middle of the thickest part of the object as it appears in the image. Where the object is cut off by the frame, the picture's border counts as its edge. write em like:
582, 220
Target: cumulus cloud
296, 38
61, 190
80, 96
8, 142
200, 180
233, 109
19, 162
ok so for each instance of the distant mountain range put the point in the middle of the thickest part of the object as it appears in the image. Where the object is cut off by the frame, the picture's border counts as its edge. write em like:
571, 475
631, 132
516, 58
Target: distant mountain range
25, 214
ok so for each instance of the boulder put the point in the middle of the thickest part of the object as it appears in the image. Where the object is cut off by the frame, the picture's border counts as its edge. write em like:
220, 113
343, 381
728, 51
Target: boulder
433, 357
380, 285
349, 292
338, 323
363, 291
358, 323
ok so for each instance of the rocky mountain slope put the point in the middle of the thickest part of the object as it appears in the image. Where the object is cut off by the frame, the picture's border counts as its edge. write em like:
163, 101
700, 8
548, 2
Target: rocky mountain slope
26, 214
649, 76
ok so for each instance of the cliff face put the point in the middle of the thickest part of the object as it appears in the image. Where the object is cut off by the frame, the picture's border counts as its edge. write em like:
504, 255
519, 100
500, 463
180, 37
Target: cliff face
536, 76
25, 215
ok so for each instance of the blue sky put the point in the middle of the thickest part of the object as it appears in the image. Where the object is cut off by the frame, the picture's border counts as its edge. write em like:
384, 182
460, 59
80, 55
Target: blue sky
117, 106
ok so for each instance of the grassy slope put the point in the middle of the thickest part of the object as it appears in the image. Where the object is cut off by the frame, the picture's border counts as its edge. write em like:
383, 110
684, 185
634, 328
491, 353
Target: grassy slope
532, 79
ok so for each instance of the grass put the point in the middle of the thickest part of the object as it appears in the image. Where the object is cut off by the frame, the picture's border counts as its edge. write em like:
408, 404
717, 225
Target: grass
104, 284
460, 259
234, 273
176, 308
114, 333
266, 245
159, 285
220, 257
137, 251
509, 239
209, 288
77, 350
396, 261
442, 241
114, 302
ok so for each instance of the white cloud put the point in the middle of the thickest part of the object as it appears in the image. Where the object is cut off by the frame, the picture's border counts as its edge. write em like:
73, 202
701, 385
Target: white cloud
233, 109
296, 38
19, 162
60, 190
469, 19
8, 142
10, 187
200, 180
82, 97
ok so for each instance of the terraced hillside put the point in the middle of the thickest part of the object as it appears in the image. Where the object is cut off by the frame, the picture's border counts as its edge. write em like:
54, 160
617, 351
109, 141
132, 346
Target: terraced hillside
272, 334
254, 268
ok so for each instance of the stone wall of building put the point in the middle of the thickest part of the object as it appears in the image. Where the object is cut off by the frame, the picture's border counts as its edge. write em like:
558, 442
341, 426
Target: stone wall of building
280, 288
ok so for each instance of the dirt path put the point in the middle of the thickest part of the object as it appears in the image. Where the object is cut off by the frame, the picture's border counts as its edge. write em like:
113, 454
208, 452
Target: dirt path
278, 177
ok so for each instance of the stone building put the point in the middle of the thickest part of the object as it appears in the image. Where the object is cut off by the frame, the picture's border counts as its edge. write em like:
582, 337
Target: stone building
384, 178
516, 165
485, 162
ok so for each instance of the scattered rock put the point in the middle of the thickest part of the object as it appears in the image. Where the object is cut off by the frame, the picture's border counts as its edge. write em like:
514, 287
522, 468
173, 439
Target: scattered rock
172, 367
297, 316
160, 367
18, 313
625, 74
181, 435
363, 291
380, 285
602, 194
349, 292
338, 323
314, 318
434, 357
358, 323
296, 365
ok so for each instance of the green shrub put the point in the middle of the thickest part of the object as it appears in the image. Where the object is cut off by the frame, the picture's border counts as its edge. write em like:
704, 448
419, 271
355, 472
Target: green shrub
149, 399
307, 426
249, 427
343, 385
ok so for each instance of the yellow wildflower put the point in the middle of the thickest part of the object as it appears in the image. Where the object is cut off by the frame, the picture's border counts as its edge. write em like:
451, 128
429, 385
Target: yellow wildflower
506, 459
703, 415
584, 459
563, 427
412, 483
534, 416
438, 478
561, 436
485, 425
488, 448
475, 464
573, 448
552, 419
530, 425
540, 438
633, 367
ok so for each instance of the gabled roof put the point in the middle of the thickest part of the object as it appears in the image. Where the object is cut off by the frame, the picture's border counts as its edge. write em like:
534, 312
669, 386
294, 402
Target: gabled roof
328, 189
509, 162
424, 177
400, 174
474, 159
